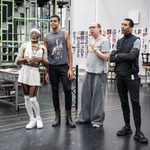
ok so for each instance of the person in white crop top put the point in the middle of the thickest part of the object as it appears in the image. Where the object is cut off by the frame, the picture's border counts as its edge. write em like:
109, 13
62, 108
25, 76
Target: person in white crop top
30, 56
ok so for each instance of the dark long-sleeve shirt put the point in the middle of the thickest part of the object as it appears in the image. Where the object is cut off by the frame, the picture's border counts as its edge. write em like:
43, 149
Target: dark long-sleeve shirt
126, 55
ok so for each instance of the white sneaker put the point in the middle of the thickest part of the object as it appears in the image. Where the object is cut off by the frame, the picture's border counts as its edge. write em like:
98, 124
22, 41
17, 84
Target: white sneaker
39, 123
31, 124
97, 125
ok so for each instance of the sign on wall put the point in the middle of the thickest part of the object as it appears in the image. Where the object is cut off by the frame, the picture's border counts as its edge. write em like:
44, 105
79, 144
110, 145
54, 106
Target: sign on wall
80, 42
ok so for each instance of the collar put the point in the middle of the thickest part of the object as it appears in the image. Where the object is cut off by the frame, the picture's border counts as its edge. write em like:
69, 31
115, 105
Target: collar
128, 35
55, 32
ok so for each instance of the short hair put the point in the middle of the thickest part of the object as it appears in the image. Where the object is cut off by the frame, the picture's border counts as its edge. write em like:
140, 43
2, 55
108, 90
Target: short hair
99, 27
55, 16
131, 22
35, 30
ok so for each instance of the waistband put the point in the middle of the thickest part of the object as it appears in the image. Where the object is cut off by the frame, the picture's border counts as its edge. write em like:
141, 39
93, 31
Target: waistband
32, 65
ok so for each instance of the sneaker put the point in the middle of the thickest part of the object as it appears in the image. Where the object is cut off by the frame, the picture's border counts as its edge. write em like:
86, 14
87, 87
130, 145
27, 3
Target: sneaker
31, 124
97, 125
140, 137
39, 123
124, 131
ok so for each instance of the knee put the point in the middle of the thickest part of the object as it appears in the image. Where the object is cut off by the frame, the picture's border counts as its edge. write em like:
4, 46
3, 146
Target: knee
67, 90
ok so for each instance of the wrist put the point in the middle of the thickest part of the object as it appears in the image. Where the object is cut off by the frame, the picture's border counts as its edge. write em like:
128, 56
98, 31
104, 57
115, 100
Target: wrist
96, 50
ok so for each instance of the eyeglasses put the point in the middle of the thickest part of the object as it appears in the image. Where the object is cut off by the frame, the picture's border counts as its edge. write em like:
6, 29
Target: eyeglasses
92, 27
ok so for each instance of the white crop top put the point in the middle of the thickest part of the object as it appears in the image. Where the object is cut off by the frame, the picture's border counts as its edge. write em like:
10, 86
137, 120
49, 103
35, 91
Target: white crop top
30, 53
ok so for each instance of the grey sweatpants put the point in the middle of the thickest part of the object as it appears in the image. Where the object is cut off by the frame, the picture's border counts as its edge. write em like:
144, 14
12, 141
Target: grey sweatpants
93, 98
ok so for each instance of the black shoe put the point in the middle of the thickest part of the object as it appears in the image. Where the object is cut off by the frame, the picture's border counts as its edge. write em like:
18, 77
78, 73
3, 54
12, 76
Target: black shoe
56, 122
140, 137
69, 121
71, 124
124, 131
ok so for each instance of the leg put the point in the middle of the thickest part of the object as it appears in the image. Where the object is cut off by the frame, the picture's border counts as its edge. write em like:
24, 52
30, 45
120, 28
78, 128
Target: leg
66, 83
134, 86
33, 94
28, 106
54, 79
63, 70
98, 99
86, 96
123, 94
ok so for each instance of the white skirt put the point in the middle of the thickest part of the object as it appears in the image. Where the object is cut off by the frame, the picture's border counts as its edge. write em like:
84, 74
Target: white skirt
29, 75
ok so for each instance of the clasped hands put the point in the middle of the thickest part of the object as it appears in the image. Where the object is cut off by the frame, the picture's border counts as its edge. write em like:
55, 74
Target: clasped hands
93, 46
33, 59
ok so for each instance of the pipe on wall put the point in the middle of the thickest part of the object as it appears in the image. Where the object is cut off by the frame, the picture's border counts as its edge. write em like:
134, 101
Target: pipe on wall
96, 10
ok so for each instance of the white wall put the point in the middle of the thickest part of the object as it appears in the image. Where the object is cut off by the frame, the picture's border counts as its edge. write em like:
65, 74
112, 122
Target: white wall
110, 12
82, 13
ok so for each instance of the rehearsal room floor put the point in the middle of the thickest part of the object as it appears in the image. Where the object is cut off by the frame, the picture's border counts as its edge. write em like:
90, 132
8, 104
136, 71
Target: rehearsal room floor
14, 136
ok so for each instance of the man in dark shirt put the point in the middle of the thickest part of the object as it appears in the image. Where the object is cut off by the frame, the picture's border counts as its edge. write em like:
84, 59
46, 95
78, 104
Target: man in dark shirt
126, 58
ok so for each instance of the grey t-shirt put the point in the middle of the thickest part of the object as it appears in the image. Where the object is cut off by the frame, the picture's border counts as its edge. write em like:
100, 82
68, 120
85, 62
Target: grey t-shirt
94, 63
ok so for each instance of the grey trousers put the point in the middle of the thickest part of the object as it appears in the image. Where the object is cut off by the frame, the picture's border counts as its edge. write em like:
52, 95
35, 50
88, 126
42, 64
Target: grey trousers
93, 98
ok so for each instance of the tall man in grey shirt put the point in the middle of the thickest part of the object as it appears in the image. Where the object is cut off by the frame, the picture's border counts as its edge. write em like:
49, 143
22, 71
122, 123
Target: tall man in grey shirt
94, 84
60, 68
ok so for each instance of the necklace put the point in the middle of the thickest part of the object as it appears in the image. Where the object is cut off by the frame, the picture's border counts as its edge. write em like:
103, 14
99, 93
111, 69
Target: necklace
34, 51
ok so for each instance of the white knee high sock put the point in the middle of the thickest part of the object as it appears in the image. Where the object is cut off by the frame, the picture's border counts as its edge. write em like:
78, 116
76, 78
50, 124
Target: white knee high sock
28, 106
36, 107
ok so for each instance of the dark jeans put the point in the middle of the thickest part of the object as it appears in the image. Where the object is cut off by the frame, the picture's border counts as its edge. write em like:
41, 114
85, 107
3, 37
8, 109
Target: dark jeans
125, 85
57, 74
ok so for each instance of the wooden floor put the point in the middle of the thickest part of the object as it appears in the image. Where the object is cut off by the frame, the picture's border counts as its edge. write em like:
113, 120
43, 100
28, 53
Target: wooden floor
14, 136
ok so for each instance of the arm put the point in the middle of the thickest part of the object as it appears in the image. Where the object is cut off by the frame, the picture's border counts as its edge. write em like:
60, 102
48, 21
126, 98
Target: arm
103, 53
46, 42
46, 72
69, 50
129, 56
134, 52
45, 57
20, 57
113, 56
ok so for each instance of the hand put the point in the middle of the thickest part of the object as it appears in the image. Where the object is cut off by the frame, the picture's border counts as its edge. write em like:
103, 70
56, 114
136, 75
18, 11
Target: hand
34, 59
93, 46
31, 60
113, 53
47, 77
24, 59
70, 74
